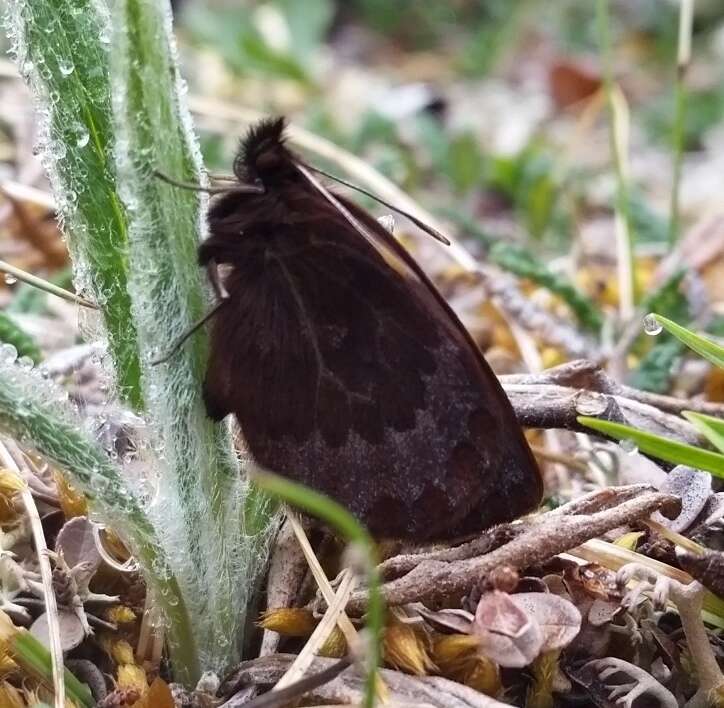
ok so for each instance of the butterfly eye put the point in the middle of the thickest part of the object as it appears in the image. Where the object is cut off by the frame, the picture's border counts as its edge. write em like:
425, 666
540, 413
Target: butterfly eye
268, 160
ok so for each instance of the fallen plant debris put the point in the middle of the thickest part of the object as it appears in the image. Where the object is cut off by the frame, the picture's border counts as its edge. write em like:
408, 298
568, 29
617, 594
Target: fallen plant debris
571, 154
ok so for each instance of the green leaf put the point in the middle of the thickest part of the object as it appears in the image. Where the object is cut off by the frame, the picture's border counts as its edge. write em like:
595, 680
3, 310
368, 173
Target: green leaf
518, 260
670, 450
12, 333
711, 428
657, 367
708, 348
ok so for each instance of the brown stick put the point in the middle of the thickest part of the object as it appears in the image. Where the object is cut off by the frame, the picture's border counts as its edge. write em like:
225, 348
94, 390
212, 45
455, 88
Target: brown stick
433, 581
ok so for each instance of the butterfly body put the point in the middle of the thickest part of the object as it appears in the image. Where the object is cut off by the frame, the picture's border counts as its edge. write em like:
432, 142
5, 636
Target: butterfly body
345, 368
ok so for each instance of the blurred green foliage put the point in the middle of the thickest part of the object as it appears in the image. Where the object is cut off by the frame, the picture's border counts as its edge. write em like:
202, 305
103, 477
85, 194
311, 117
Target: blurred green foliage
276, 39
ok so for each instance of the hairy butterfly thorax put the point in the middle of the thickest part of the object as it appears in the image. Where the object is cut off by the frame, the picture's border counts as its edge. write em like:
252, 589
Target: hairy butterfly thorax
344, 366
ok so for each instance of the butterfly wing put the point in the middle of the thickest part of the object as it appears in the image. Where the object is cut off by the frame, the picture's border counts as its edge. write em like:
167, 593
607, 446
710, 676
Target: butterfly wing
347, 371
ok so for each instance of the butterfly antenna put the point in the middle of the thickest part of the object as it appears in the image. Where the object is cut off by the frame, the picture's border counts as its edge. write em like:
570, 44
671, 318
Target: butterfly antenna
194, 327
420, 224
240, 188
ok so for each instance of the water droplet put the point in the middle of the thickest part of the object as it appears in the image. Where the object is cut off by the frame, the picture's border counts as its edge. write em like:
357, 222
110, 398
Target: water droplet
81, 134
652, 326
26, 362
591, 403
66, 67
8, 353
10, 279
629, 447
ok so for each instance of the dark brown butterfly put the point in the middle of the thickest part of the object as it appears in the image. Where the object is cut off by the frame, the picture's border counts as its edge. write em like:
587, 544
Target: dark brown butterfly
345, 367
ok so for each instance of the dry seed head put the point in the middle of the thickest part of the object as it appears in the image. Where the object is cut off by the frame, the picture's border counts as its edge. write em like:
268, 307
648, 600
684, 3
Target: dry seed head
336, 646
119, 614
458, 658
406, 649
122, 652
10, 697
72, 502
10, 483
132, 676
292, 621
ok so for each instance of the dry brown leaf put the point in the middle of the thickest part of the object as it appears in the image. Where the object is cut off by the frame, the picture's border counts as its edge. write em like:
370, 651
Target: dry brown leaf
10, 697
71, 629
507, 633
571, 82
558, 618
76, 541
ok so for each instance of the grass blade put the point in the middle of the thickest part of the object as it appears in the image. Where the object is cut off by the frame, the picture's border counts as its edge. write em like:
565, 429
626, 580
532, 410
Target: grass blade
711, 428
708, 348
663, 448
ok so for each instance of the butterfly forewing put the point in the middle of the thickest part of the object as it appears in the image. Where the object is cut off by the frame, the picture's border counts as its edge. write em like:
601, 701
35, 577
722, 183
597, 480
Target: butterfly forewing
348, 372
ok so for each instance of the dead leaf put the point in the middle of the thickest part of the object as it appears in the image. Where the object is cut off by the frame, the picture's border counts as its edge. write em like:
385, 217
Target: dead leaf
572, 82
71, 629
453, 620
76, 542
558, 618
508, 634
157, 696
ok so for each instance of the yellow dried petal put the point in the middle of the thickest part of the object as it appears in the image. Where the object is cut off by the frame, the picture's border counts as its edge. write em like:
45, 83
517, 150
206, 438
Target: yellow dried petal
544, 670
10, 482
10, 697
7, 629
405, 649
72, 502
7, 664
122, 652
483, 675
120, 614
9, 510
292, 621
458, 658
132, 676
336, 646
629, 540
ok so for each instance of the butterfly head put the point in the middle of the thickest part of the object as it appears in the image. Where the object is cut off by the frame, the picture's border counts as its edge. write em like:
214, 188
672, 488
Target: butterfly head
263, 157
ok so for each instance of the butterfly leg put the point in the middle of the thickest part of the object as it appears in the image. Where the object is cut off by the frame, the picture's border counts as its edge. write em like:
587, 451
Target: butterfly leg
212, 271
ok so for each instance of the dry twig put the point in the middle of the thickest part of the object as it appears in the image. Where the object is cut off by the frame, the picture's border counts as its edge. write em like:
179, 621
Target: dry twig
435, 581
348, 687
